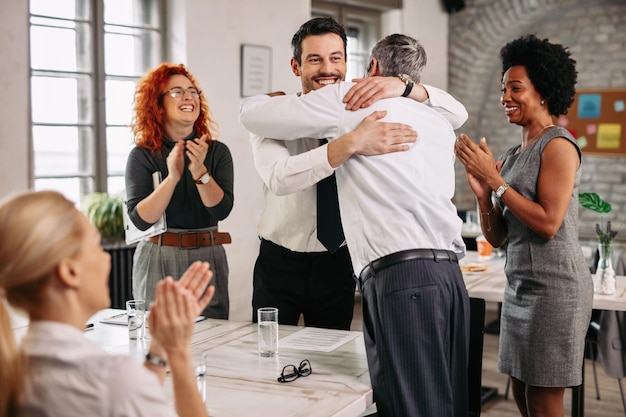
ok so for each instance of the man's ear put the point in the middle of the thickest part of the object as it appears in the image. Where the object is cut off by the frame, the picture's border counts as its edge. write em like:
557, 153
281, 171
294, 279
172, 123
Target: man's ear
66, 274
373, 70
295, 67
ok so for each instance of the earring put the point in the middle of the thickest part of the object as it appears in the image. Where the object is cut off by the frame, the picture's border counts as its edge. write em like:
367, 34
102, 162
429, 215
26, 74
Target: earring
542, 103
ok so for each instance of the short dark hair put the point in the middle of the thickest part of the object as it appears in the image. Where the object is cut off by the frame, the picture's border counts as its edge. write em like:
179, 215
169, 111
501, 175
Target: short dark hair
317, 26
549, 66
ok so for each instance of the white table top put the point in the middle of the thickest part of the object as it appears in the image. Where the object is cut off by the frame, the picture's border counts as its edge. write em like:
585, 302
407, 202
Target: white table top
241, 383
489, 285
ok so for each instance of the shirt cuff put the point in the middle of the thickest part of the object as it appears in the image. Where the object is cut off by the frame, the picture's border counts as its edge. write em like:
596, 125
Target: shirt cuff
319, 161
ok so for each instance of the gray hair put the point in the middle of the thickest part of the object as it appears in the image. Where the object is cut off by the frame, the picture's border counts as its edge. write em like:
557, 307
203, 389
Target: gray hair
400, 54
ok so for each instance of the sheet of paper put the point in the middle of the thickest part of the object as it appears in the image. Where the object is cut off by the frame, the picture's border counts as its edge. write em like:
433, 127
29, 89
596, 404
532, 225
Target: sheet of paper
122, 319
135, 235
319, 340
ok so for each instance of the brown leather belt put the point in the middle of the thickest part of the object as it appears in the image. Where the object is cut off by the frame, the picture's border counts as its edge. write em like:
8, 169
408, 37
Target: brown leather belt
191, 240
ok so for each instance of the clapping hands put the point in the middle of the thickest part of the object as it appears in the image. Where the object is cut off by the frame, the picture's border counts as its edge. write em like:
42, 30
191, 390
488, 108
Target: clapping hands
177, 304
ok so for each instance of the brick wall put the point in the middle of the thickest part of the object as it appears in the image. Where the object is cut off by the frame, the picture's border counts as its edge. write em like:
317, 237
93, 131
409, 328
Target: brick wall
594, 31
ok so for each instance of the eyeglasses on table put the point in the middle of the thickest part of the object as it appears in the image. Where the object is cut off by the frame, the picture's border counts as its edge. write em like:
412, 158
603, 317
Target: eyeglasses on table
291, 373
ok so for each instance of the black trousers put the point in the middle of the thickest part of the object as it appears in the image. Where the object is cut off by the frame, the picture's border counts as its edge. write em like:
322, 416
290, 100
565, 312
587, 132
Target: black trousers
319, 285
416, 330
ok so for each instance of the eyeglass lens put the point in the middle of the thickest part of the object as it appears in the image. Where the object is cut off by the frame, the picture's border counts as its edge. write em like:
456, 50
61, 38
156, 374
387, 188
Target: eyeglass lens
180, 92
291, 373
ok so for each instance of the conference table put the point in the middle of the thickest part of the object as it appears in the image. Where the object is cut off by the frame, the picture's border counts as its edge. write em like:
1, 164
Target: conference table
240, 383
490, 283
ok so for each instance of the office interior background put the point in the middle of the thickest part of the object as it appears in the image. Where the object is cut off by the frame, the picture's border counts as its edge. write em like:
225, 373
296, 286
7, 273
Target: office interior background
66, 110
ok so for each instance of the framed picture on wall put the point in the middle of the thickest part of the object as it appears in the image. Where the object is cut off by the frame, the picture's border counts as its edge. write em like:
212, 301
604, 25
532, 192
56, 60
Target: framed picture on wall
256, 69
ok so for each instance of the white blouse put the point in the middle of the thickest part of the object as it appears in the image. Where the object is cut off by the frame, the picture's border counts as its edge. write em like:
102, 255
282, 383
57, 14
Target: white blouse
69, 375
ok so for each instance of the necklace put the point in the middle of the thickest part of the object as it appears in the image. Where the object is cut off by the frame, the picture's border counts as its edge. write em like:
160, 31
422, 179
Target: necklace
531, 141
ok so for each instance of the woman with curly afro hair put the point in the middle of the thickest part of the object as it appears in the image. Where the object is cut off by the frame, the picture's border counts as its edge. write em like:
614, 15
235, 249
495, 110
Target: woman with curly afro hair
548, 300
174, 135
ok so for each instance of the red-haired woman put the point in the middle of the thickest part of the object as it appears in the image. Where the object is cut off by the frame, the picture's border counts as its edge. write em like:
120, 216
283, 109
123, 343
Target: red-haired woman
174, 135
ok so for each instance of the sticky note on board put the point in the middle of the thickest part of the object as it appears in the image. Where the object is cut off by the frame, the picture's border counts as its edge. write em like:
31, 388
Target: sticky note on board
582, 142
591, 128
618, 106
609, 135
589, 106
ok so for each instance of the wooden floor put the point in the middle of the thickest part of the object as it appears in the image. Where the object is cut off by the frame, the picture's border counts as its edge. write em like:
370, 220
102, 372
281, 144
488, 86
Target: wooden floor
610, 404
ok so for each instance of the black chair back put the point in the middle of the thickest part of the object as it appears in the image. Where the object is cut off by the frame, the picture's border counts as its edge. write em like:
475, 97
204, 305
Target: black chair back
475, 364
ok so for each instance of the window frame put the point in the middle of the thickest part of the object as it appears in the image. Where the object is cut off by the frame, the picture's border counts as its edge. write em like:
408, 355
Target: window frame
93, 173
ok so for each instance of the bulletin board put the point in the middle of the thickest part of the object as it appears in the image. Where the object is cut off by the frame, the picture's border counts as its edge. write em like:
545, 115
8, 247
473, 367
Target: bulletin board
597, 119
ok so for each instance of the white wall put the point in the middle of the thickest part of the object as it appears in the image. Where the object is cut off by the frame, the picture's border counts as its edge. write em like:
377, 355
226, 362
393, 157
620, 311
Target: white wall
14, 98
428, 22
213, 45
207, 35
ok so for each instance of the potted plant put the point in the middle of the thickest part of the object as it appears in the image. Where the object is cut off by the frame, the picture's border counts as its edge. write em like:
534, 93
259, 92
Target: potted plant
104, 211
604, 279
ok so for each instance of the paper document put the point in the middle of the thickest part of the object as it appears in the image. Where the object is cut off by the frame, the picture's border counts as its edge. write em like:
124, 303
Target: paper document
135, 235
319, 340
122, 319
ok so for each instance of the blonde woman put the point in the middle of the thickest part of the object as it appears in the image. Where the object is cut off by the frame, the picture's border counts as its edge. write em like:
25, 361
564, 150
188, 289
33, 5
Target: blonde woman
59, 277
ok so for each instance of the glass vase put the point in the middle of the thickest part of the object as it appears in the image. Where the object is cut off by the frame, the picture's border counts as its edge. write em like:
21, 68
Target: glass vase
604, 279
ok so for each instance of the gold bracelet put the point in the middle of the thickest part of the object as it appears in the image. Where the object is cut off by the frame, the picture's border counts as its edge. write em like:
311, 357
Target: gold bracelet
488, 213
493, 208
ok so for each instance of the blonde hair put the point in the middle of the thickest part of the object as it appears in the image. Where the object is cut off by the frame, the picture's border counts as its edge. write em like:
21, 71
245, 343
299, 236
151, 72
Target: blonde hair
38, 230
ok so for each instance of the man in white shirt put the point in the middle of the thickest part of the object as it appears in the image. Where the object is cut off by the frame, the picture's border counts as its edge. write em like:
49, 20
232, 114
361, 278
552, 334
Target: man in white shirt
294, 271
403, 234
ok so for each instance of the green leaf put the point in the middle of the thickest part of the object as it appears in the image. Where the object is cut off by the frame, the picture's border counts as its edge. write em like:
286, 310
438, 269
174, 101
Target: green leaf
105, 213
592, 201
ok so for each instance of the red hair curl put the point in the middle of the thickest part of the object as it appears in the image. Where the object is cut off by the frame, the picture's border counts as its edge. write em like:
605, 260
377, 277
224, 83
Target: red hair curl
148, 119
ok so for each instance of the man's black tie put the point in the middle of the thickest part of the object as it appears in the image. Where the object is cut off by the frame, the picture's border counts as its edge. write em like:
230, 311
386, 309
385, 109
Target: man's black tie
329, 230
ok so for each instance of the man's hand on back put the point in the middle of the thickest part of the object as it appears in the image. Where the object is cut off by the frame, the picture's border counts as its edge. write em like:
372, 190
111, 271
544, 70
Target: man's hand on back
371, 137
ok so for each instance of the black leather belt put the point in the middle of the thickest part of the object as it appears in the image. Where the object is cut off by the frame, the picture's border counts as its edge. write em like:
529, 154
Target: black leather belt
378, 265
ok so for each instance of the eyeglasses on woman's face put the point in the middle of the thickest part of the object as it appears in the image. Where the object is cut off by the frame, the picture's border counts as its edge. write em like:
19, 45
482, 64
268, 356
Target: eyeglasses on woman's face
177, 92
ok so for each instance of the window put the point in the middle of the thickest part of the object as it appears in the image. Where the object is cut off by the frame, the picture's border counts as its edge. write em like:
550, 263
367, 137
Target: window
86, 57
362, 27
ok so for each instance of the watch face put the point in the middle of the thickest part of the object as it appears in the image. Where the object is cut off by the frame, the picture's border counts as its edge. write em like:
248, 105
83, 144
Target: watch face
205, 178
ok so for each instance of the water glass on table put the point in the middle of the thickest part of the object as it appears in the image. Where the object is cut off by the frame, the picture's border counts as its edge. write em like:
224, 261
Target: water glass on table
267, 318
136, 312
199, 366
471, 219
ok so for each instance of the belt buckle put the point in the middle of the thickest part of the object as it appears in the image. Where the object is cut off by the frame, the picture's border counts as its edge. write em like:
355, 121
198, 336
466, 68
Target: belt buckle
180, 240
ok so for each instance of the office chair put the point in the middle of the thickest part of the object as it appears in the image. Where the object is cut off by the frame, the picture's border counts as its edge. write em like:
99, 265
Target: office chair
612, 347
475, 364
591, 346
611, 334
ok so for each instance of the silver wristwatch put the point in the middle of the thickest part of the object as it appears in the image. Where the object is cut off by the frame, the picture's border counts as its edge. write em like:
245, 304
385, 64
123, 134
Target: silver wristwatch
501, 189
155, 360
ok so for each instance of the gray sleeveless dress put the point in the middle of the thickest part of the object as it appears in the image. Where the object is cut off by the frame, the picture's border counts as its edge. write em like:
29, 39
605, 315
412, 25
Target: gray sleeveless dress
548, 299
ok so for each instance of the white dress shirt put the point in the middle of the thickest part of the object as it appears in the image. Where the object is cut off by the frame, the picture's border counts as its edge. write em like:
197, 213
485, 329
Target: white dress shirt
388, 202
69, 375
